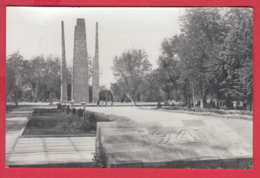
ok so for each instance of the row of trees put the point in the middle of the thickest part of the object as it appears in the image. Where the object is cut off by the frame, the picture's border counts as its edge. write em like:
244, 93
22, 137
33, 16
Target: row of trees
37, 79
209, 63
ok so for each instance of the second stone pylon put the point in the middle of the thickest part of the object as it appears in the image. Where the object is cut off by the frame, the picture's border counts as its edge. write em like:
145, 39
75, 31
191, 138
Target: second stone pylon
64, 95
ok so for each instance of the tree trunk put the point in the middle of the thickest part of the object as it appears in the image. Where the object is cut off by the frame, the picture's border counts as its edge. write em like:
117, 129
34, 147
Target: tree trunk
201, 103
131, 99
193, 94
36, 92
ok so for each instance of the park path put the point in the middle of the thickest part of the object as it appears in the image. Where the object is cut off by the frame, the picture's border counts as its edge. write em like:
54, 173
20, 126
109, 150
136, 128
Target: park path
16, 121
77, 151
231, 127
44, 151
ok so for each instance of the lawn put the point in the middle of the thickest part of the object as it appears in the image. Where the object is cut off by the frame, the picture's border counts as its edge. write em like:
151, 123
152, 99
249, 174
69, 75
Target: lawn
53, 122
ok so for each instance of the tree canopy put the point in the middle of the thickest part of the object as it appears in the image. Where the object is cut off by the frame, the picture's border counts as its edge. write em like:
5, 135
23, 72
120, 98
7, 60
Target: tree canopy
130, 68
32, 80
209, 63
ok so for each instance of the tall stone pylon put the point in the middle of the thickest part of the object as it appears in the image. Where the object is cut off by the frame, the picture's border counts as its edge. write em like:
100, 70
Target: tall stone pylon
80, 88
64, 93
95, 81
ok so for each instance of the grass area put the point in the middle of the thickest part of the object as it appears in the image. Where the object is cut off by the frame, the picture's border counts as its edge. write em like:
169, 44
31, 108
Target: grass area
58, 123
212, 110
224, 113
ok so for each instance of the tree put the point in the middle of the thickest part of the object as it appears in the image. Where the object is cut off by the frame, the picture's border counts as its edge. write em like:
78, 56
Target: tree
235, 66
203, 31
130, 69
152, 87
14, 66
118, 91
52, 79
32, 80
168, 71
214, 57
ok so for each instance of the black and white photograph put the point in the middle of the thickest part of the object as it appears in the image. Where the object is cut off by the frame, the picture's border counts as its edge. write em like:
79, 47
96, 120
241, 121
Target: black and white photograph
129, 87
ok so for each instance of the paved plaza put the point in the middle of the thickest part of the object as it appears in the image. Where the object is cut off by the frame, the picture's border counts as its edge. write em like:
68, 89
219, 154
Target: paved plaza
149, 135
239, 127
52, 151
155, 138
44, 151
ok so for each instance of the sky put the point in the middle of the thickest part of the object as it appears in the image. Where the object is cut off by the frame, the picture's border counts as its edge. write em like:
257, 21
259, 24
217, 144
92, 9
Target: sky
35, 31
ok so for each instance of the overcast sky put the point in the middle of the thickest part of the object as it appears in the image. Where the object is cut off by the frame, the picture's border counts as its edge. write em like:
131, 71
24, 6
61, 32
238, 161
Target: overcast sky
37, 31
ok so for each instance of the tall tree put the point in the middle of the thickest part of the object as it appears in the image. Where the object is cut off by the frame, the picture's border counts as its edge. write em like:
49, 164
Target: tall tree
235, 66
202, 32
14, 66
214, 52
32, 80
130, 69
168, 71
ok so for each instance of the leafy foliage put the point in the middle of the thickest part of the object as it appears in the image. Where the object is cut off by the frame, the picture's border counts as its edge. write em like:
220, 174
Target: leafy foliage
130, 69
37, 79
208, 64
209, 60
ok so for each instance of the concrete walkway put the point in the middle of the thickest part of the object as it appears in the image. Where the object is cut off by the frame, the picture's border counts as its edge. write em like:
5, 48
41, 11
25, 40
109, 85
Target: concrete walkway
161, 136
242, 128
52, 151
44, 151
79, 151
15, 123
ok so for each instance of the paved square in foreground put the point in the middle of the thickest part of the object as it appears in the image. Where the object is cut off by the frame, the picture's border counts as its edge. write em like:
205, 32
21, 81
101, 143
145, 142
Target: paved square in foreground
50, 150
151, 138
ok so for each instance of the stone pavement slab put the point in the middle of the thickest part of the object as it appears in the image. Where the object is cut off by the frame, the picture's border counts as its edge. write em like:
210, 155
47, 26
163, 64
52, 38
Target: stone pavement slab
14, 128
163, 138
44, 151
52, 150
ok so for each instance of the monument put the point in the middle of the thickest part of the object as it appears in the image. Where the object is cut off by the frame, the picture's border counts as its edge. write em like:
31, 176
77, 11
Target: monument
80, 87
95, 81
64, 94
80, 76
